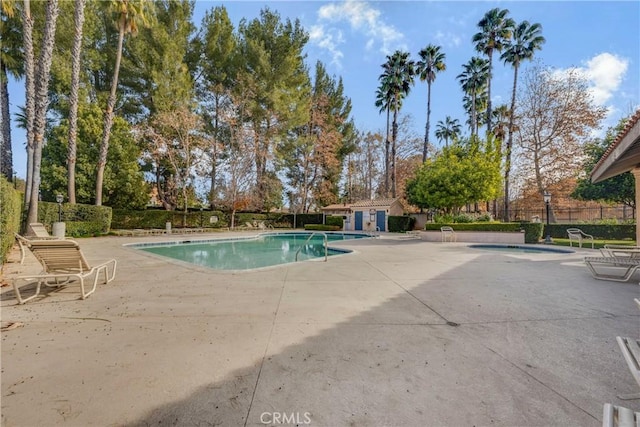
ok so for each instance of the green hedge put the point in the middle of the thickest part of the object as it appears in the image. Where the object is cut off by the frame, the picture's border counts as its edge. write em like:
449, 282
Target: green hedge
322, 227
155, 218
334, 220
81, 220
532, 231
399, 224
598, 231
11, 208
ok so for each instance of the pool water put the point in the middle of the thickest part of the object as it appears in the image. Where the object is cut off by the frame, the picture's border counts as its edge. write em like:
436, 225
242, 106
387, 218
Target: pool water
247, 253
526, 249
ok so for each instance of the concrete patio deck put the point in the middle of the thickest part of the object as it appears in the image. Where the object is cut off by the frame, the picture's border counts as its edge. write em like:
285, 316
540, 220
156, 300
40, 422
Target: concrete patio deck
400, 332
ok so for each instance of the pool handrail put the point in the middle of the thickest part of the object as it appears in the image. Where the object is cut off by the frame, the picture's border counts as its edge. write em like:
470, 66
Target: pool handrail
325, 241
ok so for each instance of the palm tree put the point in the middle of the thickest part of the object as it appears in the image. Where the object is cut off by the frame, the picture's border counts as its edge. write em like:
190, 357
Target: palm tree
525, 39
11, 63
473, 81
495, 30
448, 130
37, 106
398, 74
383, 103
480, 105
129, 14
431, 62
500, 120
78, 19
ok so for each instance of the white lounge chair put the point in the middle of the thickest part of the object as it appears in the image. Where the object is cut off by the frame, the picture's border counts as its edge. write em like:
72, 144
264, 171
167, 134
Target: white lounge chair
628, 265
62, 261
577, 235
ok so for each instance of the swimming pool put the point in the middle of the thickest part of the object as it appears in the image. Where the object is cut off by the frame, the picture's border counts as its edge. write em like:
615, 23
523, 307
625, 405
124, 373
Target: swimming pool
527, 249
247, 253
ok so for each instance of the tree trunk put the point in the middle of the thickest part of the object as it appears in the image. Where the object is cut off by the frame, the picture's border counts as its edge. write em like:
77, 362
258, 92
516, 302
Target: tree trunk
29, 74
108, 121
214, 155
73, 100
6, 154
474, 131
41, 103
489, 93
386, 157
393, 150
426, 131
507, 162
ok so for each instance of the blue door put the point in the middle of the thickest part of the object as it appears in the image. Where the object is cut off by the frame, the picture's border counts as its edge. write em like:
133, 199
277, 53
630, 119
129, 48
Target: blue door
380, 220
358, 221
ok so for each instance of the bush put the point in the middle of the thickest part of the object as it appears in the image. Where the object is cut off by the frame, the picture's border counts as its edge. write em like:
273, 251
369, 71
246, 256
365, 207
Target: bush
11, 207
322, 227
154, 218
334, 220
463, 219
399, 224
81, 220
532, 231
598, 231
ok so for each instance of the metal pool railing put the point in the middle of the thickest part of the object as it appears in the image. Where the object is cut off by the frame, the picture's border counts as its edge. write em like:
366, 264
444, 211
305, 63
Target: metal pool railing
325, 242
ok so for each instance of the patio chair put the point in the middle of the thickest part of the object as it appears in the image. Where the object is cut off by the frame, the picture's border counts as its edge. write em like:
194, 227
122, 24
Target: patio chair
62, 261
629, 264
577, 235
448, 235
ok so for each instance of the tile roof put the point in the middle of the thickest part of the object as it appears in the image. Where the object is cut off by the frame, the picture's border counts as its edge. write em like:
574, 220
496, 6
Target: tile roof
373, 203
337, 207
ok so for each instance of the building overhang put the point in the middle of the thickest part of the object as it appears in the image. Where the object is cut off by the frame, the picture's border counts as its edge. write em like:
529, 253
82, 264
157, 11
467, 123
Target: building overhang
623, 155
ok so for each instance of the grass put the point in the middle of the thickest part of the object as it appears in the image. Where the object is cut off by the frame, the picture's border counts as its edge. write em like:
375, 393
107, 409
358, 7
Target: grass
598, 243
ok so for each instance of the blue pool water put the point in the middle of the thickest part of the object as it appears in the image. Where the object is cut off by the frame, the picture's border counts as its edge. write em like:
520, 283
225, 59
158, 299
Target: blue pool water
529, 249
246, 253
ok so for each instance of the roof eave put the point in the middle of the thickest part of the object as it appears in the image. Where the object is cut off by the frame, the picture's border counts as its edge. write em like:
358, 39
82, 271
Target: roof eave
613, 163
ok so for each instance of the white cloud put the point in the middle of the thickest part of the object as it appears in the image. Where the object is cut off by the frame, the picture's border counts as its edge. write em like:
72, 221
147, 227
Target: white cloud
448, 39
328, 41
605, 73
362, 18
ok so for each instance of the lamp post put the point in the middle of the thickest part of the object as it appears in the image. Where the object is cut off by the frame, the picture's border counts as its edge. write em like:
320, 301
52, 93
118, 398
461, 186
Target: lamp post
547, 200
59, 199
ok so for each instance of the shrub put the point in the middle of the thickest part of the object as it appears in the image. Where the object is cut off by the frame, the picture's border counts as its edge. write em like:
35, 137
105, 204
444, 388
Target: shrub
483, 218
334, 220
532, 231
155, 218
463, 219
598, 231
399, 224
322, 227
81, 220
11, 207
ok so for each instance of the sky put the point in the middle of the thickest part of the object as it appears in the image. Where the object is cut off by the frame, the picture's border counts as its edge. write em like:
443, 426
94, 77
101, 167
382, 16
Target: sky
353, 38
